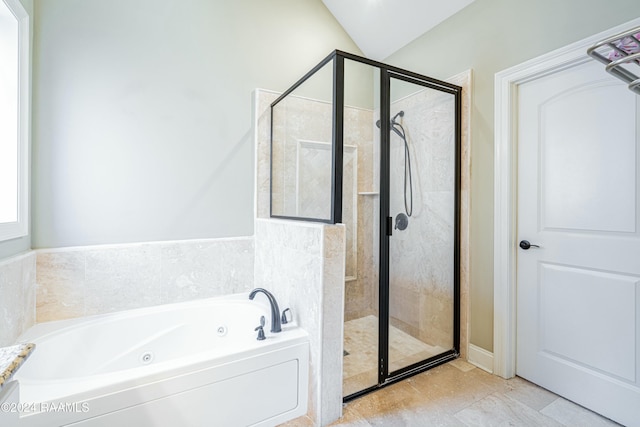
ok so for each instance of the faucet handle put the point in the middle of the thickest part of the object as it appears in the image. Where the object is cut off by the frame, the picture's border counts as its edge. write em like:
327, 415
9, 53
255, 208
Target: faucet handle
284, 316
260, 329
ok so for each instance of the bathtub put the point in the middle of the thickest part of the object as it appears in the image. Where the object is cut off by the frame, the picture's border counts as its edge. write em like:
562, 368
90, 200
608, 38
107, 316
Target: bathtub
187, 364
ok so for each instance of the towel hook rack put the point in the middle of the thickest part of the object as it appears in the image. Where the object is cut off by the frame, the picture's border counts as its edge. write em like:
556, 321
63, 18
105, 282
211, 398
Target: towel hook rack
621, 55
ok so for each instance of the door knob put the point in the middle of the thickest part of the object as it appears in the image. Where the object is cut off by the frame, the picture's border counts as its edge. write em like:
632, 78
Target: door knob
524, 244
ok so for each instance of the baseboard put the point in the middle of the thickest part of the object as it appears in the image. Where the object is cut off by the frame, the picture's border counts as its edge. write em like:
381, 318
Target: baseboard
481, 358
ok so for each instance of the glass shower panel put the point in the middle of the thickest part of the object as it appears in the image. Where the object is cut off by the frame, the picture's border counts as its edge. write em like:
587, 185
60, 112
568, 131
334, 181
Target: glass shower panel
360, 215
422, 204
301, 150
396, 194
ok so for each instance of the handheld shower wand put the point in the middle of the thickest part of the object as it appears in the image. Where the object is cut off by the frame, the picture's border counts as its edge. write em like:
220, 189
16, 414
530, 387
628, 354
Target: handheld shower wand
397, 128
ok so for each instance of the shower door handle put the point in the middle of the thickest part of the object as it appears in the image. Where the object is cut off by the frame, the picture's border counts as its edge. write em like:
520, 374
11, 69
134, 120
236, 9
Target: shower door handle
389, 225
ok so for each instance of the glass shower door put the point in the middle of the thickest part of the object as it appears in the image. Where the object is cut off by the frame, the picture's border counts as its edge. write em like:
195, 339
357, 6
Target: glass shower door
361, 213
422, 208
375, 147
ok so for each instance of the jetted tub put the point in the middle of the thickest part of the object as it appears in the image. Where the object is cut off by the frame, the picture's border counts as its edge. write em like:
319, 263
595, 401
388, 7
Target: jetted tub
187, 364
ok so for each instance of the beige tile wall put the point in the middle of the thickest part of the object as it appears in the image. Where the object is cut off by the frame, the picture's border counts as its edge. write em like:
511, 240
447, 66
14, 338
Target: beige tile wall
307, 119
76, 282
303, 264
421, 258
361, 294
17, 296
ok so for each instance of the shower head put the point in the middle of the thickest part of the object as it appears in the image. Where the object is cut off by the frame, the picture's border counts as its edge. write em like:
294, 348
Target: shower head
393, 120
400, 113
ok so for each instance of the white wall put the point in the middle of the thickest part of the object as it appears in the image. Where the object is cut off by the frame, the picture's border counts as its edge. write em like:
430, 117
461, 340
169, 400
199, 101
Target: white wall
489, 36
142, 112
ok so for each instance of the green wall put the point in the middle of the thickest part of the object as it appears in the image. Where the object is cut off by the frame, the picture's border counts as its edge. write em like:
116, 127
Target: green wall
489, 36
142, 112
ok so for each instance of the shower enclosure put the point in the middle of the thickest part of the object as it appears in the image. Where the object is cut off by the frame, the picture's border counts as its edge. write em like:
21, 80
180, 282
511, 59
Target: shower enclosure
377, 148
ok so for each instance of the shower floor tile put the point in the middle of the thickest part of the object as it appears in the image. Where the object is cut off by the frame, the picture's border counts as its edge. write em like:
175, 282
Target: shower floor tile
361, 344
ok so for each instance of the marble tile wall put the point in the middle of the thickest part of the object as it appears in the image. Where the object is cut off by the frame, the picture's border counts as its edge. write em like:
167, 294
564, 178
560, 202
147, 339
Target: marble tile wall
298, 121
83, 281
303, 264
307, 119
17, 296
422, 256
361, 293
262, 100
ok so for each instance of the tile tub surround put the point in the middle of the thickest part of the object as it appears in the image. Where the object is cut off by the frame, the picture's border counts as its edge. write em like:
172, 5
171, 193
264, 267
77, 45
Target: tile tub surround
17, 296
83, 281
303, 264
11, 358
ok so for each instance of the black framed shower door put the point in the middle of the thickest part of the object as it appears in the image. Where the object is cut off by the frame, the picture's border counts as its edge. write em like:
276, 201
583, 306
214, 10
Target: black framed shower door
418, 264
397, 281
398, 278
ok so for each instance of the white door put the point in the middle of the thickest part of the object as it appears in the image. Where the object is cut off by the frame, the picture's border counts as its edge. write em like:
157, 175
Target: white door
578, 294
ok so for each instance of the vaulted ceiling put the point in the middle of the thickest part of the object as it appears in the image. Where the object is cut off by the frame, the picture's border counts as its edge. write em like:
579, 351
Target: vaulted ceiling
381, 27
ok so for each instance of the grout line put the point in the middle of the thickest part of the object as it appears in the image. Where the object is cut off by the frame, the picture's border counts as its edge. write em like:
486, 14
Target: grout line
554, 401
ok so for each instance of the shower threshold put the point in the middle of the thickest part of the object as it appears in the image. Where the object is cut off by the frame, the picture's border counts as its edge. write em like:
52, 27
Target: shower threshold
361, 347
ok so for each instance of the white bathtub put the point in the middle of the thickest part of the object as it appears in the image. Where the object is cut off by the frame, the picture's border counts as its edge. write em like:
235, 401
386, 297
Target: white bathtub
187, 364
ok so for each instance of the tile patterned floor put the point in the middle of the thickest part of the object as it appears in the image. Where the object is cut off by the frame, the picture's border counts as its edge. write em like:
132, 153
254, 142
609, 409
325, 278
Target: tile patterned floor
459, 394
361, 343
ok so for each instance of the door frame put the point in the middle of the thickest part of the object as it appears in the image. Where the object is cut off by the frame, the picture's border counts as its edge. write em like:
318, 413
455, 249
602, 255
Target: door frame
506, 87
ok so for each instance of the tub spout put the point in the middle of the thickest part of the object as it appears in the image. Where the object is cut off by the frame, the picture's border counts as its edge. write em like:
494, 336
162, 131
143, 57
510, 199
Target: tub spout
275, 310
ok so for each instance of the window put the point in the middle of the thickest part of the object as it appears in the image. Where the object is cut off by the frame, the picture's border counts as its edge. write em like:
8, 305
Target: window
14, 119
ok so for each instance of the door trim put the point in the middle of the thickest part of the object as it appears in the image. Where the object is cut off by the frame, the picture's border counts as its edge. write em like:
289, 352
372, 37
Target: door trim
506, 86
